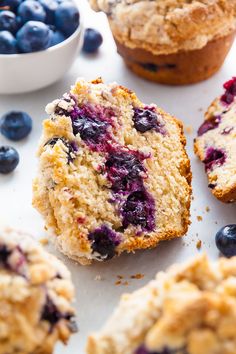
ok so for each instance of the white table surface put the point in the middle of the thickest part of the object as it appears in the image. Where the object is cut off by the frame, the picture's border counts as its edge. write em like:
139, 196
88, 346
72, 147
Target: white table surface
95, 299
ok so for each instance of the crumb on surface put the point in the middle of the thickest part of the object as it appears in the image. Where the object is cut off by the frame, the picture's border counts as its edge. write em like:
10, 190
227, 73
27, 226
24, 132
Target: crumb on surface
199, 218
200, 109
188, 129
125, 283
98, 277
199, 244
118, 282
120, 276
207, 209
44, 241
137, 276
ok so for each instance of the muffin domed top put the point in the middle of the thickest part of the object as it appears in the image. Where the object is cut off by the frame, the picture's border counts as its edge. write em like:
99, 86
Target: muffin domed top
168, 26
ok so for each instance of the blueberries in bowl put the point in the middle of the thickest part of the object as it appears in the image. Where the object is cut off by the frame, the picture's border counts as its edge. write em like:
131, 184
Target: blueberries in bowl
8, 43
34, 25
33, 36
15, 125
92, 40
9, 159
226, 240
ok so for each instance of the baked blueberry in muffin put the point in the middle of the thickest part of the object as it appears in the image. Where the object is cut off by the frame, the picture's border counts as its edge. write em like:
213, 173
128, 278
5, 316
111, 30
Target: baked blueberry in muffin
113, 173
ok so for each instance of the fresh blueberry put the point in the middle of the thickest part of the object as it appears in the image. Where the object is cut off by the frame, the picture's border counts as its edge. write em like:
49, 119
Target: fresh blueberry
8, 44
214, 157
15, 125
33, 36
104, 242
226, 240
67, 18
50, 7
147, 119
123, 170
30, 10
92, 40
12, 4
230, 91
9, 159
209, 124
56, 38
8, 21
139, 209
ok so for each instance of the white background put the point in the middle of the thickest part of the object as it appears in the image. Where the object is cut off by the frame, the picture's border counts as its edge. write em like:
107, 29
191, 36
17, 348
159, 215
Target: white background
96, 299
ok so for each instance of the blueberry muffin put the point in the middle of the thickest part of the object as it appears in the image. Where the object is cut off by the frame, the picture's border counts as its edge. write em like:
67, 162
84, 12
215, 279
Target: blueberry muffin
216, 144
113, 175
190, 309
171, 41
35, 297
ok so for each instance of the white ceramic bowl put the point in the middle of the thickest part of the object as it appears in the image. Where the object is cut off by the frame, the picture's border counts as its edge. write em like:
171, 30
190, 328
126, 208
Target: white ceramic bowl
31, 71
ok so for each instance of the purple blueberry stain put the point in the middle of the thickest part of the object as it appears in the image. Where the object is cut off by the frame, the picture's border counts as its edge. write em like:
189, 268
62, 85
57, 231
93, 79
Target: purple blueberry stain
227, 130
214, 157
146, 119
230, 91
139, 210
209, 124
124, 171
104, 242
143, 350
13, 259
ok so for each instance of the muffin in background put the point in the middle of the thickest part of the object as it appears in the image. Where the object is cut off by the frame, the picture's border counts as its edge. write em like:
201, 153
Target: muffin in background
173, 42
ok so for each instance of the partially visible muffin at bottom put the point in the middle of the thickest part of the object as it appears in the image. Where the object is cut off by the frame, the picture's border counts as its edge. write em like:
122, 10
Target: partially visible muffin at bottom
190, 309
36, 293
215, 144
113, 173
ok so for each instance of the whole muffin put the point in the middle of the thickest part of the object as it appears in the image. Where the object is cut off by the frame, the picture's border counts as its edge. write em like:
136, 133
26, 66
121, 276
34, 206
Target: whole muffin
35, 297
113, 173
172, 41
190, 309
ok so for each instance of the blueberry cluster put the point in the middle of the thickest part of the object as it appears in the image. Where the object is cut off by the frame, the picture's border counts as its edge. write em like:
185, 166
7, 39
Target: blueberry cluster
15, 126
33, 25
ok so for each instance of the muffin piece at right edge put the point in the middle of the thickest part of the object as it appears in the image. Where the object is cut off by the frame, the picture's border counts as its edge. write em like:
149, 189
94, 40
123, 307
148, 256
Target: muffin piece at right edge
172, 42
189, 309
216, 144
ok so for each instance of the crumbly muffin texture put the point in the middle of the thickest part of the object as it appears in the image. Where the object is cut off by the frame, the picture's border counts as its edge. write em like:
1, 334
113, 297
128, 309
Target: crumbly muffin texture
168, 26
113, 176
216, 144
190, 309
35, 297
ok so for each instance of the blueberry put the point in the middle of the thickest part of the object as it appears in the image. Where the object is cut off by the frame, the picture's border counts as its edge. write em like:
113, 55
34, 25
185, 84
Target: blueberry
8, 21
30, 10
123, 170
12, 4
209, 124
104, 242
9, 159
230, 91
33, 36
92, 40
50, 7
8, 44
4, 254
226, 240
214, 157
50, 312
15, 125
146, 119
67, 18
139, 209
56, 38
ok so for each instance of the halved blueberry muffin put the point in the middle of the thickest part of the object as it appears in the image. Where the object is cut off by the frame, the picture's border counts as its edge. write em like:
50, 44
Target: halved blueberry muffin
114, 175
216, 144
190, 309
35, 297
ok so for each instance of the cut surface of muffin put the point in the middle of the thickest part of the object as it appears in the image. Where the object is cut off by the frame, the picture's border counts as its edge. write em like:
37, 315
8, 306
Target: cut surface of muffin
216, 144
190, 309
113, 173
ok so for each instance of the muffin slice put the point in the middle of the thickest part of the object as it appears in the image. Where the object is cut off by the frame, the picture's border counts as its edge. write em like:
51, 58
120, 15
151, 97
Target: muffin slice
113, 175
190, 309
216, 144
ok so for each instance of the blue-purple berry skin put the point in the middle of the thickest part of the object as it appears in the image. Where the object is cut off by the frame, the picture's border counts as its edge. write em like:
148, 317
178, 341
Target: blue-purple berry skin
56, 38
9, 159
33, 36
104, 242
226, 240
8, 43
31, 10
67, 18
15, 125
92, 40
146, 119
8, 21
50, 7
12, 4
214, 157
209, 124
4, 254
